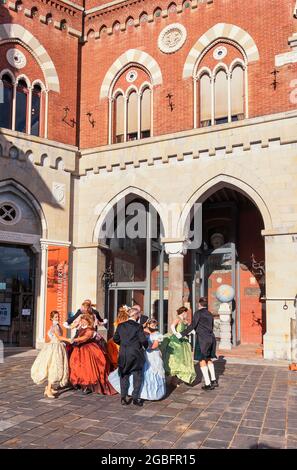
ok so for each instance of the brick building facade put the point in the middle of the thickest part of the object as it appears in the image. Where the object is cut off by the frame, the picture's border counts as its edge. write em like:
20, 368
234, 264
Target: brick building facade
171, 105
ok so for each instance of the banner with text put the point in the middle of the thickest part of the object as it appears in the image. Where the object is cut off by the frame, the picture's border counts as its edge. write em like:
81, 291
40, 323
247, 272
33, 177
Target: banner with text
57, 284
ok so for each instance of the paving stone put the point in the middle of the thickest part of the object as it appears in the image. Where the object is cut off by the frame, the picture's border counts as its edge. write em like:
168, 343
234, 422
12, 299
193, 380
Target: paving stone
221, 433
215, 444
113, 437
273, 432
156, 444
244, 442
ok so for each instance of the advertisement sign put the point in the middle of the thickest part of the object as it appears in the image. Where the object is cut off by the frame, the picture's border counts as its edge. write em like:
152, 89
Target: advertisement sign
26, 312
57, 284
5, 314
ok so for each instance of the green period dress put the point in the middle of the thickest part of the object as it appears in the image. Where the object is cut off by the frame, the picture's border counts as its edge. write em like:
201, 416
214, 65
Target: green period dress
177, 356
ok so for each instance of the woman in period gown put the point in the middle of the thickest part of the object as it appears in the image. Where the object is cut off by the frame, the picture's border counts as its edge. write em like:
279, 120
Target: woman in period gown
51, 364
112, 347
177, 353
88, 364
154, 383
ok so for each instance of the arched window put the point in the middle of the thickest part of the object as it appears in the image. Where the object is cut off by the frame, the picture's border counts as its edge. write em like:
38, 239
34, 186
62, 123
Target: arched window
221, 97
35, 110
145, 118
237, 93
205, 100
130, 106
119, 119
21, 106
132, 115
221, 92
6, 102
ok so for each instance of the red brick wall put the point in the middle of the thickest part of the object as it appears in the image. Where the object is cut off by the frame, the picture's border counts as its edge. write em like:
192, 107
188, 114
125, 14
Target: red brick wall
63, 51
269, 22
261, 19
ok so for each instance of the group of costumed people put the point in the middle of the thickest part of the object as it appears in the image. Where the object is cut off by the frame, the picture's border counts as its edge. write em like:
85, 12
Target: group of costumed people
136, 362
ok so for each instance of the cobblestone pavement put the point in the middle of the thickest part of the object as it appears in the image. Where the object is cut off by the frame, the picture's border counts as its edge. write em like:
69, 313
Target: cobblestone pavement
254, 407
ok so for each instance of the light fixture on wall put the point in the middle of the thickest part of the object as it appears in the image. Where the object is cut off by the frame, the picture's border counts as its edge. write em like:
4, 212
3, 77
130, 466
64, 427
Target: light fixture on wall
170, 102
69, 122
275, 82
91, 120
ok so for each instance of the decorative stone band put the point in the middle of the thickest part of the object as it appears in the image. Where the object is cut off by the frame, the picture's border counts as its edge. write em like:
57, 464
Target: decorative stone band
221, 30
16, 32
132, 56
175, 248
286, 58
45, 241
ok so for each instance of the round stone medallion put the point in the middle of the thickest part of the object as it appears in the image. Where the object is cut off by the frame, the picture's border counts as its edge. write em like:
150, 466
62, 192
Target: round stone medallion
16, 58
220, 52
131, 76
172, 38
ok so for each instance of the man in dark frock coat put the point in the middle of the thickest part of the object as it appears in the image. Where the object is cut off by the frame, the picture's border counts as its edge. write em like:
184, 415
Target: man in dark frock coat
133, 342
205, 345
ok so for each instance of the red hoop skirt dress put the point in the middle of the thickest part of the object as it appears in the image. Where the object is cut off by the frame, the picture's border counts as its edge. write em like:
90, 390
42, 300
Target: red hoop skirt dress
89, 365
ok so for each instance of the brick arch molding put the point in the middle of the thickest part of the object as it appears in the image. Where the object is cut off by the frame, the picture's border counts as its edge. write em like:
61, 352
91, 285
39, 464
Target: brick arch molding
16, 33
221, 30
131, 56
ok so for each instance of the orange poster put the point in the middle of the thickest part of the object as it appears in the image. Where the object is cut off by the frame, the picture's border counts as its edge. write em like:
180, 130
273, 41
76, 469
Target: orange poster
57, 284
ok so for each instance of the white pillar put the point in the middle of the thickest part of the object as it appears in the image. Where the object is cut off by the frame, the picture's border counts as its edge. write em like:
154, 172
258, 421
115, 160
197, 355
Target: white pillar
29, 110
229, 75
46, 114
13, 106
212, 84
41, 314
281, 288
125, 117
246, 92
195, 102
176, 251
225, 313
139, 115
110, 117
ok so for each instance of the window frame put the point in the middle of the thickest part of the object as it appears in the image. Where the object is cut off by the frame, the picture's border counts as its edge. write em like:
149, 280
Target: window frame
199, 72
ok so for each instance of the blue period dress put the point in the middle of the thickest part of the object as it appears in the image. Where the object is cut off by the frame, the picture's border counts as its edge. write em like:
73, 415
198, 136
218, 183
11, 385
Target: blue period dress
153, 384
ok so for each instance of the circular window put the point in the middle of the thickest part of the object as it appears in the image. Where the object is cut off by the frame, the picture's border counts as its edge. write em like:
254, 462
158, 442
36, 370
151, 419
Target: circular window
220, 53
9, 213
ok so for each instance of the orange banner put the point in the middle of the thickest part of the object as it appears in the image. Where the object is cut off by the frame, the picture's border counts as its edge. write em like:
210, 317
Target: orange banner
57, 284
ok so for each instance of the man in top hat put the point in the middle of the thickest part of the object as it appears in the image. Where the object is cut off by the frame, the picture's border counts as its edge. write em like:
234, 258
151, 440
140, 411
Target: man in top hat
133, 342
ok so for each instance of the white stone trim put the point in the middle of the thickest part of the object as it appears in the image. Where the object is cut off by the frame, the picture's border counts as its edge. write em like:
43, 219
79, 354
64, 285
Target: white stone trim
132, 56
47, 241
17, 32
220, 31
286, 58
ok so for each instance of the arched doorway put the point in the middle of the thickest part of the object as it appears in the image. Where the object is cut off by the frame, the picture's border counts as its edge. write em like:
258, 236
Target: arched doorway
136, 265
20, 232
232, 252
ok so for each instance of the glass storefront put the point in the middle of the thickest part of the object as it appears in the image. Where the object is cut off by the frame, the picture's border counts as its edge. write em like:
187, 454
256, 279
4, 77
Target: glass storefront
138, 263
17, 276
